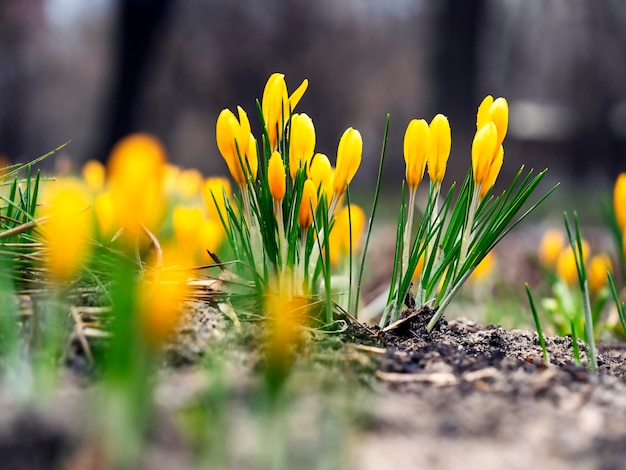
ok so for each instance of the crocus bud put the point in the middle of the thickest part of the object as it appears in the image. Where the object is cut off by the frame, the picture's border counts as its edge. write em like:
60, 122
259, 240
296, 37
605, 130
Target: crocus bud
233, 142
599, 265
416, 144
276, 105
307, 205
321, 173
276, 176
348, 159
439, 149
301, 143
484, 152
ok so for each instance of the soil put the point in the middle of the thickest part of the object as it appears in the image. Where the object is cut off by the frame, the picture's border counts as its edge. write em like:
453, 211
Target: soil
463, 396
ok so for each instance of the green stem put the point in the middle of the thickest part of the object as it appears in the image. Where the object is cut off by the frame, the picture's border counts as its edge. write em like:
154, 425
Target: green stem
592, 361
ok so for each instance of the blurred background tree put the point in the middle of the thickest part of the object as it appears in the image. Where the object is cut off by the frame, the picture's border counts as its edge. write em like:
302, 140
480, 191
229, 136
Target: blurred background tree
93, 70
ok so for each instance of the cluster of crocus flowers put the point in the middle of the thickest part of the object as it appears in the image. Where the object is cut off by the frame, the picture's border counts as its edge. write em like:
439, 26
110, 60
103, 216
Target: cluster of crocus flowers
294, 176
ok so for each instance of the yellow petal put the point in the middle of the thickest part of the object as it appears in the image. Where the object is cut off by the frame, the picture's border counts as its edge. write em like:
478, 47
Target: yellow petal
308, 204
619, 201
276, 176
296, 96
439, 150
348, 159
499, 115
301, 143
494, 171
416, 144
483, 152
484, 112
216, 189
321, 173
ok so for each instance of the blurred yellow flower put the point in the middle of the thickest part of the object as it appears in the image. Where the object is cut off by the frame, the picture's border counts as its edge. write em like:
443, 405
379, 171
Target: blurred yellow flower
160, 300
277, 105
301, 143
67, 228
550, 246
348, 159
439, 149
416, 145
189, 183
276, 177
285, 315
215, 191
619, 201
104, 209
186, 222
322, 175
308, 204
339, 238
136, 173
211, 237
566, 263
599, 265
94, 174
485, 269
234, 143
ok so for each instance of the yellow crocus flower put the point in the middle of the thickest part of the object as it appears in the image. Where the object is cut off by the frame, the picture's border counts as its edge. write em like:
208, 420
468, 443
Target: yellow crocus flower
104, 209
136, 170
566, 263
67, 229
322, 175
484, 149
94, 174
301, 143
494, 171
496, 111
307, 205
277, 104
348, 159
599, 265
550, 246
233, 141
416, 145
619, 201
276, 177
439, 149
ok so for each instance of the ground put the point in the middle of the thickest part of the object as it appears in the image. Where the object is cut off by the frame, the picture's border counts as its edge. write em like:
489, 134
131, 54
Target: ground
464, 396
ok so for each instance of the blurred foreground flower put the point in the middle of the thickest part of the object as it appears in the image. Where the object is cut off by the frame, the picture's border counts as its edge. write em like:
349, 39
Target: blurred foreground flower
67, 229
136, 173
161, 296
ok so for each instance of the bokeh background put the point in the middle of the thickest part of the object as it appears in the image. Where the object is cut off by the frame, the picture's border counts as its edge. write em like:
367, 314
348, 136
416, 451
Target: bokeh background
95, 70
